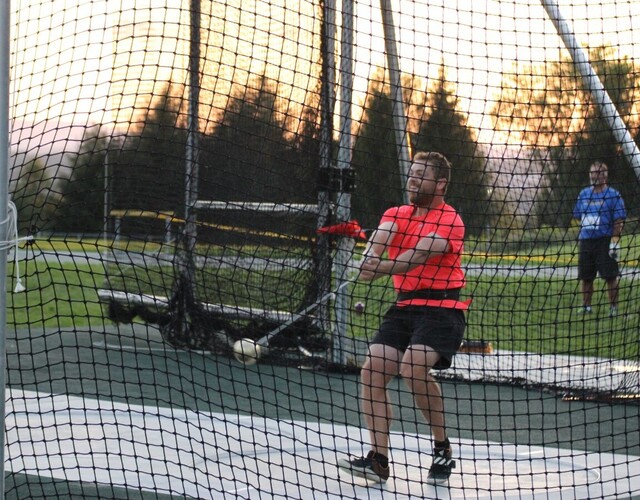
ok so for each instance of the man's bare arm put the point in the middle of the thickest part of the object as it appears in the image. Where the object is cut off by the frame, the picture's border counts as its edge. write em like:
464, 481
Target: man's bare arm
429, 246
617, 230
375, 248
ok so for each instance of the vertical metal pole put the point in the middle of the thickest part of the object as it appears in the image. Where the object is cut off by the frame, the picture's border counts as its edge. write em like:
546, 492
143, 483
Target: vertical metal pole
107, 201
187, 274
5, 38
191, 181
343, 202
594, 85
327, 103
399, 112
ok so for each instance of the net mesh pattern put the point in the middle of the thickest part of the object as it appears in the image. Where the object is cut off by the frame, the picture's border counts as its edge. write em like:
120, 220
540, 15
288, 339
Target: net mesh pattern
186, 178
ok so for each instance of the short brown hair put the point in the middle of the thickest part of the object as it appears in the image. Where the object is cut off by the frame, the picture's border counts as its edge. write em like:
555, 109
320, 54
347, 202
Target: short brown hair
437, 161
600, 165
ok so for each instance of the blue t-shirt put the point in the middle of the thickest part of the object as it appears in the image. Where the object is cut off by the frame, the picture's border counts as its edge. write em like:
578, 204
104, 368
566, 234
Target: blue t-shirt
597, 212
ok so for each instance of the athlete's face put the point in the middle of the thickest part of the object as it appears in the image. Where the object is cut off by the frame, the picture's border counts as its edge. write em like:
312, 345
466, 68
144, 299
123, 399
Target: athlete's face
422, 184
598, 175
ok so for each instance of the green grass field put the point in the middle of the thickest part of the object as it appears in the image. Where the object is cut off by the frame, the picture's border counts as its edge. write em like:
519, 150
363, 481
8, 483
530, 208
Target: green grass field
533, 315
522, 314
56, 294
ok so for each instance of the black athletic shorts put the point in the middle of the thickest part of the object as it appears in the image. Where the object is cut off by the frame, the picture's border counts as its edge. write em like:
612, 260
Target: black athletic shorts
593, 258
440, 328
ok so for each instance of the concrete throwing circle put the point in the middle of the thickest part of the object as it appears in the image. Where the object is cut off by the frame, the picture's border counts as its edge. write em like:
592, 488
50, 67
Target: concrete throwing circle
217, 455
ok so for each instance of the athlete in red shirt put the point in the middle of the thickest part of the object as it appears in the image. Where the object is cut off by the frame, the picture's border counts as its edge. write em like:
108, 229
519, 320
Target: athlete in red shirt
420, 246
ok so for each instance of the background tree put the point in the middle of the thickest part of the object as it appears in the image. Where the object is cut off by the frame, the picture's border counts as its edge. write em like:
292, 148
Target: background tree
444, 128
82, 192
596, 141
251, 155
548, 107
375, 158
434, 124
306, 140
34, 196
149, 168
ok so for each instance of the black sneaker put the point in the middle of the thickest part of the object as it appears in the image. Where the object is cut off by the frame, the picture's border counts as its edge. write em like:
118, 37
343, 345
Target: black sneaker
367, 467
441, 467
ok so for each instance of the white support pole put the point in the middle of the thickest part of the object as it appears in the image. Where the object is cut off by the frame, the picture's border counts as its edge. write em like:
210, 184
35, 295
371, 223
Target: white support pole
399, 112
593, 83
5, 66
343, 202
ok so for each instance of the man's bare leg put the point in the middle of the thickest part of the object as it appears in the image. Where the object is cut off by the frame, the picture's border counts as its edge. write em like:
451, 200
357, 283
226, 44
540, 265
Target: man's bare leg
381, 366
587, 292
613, 287
416, 372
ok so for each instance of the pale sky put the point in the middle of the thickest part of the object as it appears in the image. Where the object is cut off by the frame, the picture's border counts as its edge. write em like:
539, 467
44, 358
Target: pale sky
62, 51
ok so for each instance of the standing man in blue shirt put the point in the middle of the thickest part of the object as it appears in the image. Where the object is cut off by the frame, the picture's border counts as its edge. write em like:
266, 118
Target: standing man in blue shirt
601, 212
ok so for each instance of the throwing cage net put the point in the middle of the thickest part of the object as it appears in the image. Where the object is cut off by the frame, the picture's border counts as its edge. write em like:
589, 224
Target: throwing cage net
251, 274
190, 187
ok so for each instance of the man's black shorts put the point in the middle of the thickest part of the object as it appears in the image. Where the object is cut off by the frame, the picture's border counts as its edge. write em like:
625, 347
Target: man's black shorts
440, 328
593, 258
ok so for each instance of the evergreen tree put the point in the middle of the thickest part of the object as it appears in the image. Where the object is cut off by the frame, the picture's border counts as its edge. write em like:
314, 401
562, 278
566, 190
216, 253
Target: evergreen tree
251, 156
82, 205
444, 129
34, 197
379, 184
148, 171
